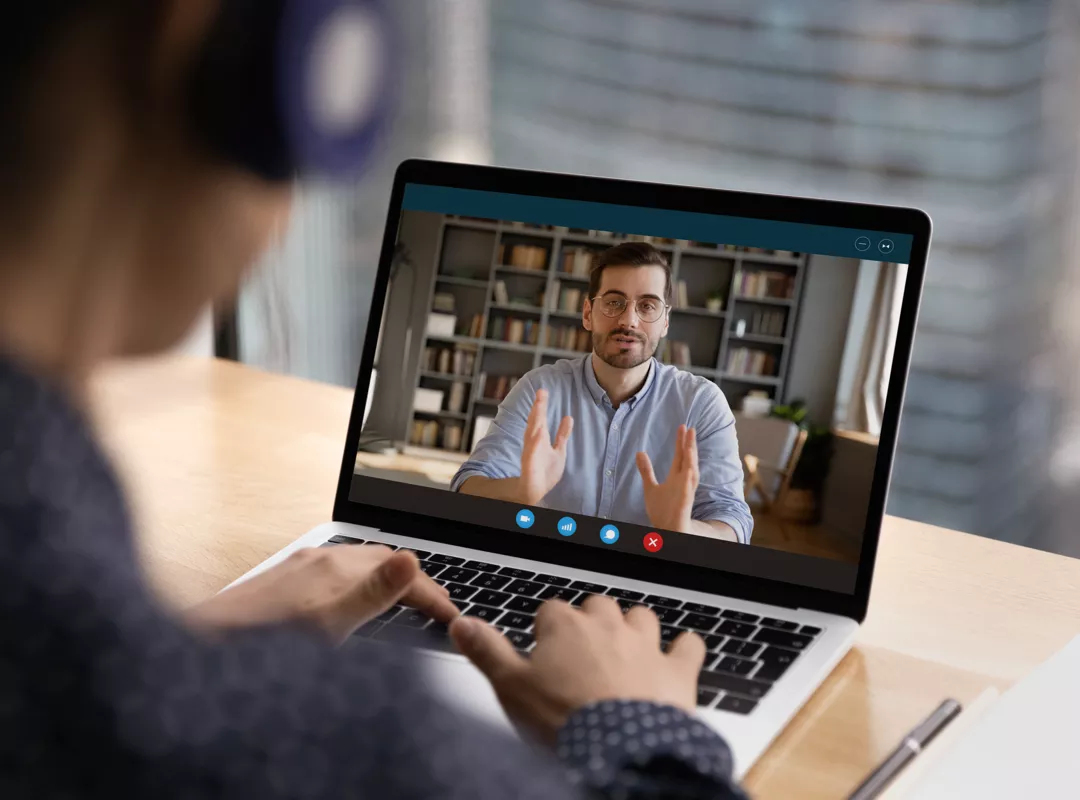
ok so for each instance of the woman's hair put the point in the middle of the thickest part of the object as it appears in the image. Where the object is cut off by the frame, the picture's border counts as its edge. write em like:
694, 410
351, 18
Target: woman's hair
35, 31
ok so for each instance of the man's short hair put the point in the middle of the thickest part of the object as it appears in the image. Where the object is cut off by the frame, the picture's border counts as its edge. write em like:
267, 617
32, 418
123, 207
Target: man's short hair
629, 254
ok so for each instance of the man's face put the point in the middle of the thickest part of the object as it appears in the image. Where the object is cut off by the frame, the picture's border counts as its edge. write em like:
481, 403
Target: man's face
626, 340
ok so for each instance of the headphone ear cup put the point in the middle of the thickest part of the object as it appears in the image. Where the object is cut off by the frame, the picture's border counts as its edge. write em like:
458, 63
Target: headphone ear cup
288, 88
234, 89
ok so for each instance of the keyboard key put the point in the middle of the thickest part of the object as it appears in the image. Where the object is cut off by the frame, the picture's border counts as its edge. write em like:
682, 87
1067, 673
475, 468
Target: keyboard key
525, 588
485, 613
698, 608
668, 633
792, 641
740, 630
390, 613
740, 616
488, 580
514, 572
459, 591
780, 624
520, 639
559, 593
529, 605
490, 597
515, 619
461, 604
735, 704
460, 574
738, 647
330, 544
437, 629
736, 666
481, 566
712, 643
705, 697
368, 629
668, 615
771, 672
453, 561
779, 656
667, 602
440, 581
809, 630
343, 539
699, 622
412, 618
552, 580
585, 586
413, 637
431, 568
625, 594
420, 554
731, 683
626, 605
580, 599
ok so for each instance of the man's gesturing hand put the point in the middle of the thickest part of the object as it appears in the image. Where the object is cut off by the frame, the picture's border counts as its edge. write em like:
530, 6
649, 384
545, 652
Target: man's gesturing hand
336, 589
670, 503
582, 656
542, 463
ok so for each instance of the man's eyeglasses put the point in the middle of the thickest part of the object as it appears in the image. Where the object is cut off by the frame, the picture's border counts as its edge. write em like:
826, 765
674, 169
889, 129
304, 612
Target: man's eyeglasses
648, 309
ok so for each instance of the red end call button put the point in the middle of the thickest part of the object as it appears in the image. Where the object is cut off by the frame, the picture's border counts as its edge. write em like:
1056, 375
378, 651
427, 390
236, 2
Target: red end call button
653, 542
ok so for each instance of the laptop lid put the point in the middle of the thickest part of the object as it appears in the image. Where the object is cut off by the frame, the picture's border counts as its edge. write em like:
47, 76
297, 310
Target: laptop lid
778, 328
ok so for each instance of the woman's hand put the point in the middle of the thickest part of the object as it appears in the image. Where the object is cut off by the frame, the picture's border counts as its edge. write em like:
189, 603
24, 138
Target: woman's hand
583, 656
336, 589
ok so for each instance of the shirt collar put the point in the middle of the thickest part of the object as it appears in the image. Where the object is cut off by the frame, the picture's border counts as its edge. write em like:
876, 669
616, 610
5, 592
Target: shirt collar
597, 391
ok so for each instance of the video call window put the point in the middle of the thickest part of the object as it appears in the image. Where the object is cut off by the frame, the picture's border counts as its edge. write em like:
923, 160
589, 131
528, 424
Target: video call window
779, 359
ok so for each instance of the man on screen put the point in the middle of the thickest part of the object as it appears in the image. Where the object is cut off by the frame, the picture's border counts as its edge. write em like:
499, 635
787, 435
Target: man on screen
637, 441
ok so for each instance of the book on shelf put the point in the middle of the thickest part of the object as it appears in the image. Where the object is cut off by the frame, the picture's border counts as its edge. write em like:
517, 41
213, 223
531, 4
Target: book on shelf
476, 326
445, 363
452, 434
749, 361
570, 300
524, 256
443, 301
456, 401
481, 426
768, 323
776, 285
424, 433
680, 354
555, 298
577, 261
480, 385
681, 296
502, 297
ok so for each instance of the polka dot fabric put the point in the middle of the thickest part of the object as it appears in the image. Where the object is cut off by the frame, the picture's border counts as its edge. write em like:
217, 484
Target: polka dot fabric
104, 694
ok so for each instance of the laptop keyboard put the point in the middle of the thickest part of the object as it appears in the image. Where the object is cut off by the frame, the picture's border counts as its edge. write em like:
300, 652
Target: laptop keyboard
746, 654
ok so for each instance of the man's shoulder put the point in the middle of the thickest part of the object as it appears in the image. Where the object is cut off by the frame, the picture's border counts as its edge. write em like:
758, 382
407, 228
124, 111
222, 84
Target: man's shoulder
695, 391
556, 375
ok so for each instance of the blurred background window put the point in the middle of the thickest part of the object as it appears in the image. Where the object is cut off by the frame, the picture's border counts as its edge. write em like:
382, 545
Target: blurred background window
965, 108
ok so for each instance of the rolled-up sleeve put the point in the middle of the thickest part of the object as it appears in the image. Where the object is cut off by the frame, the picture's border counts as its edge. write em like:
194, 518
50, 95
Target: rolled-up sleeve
498, 454
720, 495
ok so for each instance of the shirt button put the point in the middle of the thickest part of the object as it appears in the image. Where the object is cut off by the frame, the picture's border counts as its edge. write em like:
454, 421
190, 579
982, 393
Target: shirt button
615, 426
609, 472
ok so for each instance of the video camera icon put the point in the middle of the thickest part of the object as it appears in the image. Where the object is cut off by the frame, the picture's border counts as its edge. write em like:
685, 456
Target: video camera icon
525, 518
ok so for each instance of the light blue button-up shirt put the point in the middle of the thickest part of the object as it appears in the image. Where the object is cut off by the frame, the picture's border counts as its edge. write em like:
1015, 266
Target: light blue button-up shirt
601, 477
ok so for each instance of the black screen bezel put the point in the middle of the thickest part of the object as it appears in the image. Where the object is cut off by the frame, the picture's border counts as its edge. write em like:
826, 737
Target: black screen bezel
729, 203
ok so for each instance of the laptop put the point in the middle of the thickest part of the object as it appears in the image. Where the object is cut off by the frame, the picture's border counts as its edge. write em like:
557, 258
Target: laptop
787, 322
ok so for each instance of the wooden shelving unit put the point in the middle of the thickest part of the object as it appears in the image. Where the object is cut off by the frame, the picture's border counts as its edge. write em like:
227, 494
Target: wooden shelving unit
468, 267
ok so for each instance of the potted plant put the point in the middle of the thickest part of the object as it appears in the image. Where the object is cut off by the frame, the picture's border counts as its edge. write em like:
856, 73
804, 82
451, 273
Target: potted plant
803, 498
715, 301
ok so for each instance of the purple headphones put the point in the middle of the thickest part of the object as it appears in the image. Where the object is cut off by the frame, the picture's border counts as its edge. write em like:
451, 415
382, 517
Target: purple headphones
295, 88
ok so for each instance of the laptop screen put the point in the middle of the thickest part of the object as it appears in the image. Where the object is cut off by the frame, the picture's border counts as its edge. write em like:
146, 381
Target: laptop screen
676, 385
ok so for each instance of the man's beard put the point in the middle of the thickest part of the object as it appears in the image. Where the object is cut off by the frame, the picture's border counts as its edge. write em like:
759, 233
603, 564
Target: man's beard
623, 359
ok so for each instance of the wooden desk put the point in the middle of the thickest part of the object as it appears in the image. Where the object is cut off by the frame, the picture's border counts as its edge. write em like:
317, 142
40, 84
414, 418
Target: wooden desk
226, 465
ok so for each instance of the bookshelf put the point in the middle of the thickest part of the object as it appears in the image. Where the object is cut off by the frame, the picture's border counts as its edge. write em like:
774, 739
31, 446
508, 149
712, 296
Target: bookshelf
515, 308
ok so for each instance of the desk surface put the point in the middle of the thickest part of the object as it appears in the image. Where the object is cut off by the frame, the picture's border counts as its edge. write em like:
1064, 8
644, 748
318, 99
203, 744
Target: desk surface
226, 465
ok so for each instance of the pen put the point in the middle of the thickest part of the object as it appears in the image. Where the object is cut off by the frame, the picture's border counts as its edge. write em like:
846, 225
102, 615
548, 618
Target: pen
919, 737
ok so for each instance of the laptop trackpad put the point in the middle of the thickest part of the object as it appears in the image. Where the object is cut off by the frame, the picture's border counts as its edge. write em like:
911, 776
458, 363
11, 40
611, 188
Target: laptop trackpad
462, 686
